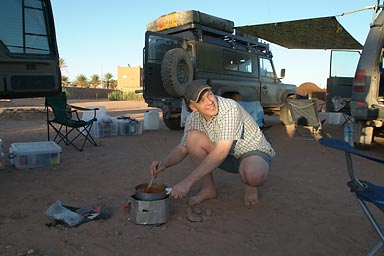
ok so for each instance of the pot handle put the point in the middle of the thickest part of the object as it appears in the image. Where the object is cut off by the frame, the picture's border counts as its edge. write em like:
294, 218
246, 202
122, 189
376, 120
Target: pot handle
168, 190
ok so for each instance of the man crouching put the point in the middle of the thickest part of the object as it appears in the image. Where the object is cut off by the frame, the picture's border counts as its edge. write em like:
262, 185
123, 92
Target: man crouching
218, 133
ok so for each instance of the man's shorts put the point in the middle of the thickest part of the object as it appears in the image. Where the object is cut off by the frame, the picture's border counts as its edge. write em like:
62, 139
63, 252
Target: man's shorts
232, 164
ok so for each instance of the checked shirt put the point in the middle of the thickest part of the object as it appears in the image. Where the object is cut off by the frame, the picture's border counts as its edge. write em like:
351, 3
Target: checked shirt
232, 122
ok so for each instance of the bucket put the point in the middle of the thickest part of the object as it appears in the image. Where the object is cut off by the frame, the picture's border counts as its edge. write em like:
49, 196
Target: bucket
149, 212
151, 120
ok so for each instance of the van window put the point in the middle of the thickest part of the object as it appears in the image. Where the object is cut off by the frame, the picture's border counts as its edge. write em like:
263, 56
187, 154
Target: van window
23, 28
266, 68
343, 63
237, 62
245, 64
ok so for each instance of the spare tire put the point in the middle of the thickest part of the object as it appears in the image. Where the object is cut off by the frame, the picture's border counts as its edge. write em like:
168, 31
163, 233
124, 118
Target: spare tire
176, 71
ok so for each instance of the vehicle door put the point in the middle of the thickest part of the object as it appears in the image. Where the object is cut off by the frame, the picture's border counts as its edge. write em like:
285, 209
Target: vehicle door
342, 68
156, 45
269, 87
29, 59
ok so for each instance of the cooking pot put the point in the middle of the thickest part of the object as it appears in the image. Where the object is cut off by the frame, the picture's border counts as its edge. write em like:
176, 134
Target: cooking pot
155, 192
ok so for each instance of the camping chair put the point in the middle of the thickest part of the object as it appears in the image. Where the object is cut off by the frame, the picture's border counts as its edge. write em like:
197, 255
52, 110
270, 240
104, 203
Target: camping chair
67, 128
304, 113
365, 191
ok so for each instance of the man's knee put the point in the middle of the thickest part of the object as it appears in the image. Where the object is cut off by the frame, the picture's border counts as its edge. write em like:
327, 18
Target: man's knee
254, 172
196, 139
255, 177
198, 146
193, 135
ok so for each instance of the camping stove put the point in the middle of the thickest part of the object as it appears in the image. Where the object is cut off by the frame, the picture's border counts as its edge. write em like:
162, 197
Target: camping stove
149, 212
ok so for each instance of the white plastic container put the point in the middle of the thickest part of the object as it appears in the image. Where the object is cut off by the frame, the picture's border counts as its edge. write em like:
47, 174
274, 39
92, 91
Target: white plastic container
348, 133
129, 127
151, 120
88, 115
104, 127
335, 118
2, 156
35, 154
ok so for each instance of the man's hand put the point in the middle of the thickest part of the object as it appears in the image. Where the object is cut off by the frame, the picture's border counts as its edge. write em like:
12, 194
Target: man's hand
176, 156
157, 167
180, 190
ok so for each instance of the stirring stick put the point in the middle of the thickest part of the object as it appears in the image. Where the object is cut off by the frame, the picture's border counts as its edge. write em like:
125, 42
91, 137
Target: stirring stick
150, 182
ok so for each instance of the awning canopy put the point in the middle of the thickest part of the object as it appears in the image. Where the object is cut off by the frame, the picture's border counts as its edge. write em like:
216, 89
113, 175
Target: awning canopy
316, 33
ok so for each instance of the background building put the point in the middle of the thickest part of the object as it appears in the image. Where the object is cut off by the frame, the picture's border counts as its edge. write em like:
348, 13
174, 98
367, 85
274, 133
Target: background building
129, 78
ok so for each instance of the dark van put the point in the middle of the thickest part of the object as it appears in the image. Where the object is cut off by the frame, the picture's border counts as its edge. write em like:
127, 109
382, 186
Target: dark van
29, 59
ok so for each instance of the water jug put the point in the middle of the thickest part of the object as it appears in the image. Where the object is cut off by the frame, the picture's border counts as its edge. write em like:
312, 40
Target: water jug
151, 120
348, 133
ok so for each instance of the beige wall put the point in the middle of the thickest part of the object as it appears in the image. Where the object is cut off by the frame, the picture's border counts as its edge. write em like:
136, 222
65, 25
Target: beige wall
129, 78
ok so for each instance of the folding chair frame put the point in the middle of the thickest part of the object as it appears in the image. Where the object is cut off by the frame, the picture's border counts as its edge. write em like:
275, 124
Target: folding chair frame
365, 191
304, 112
69, 129
342, 105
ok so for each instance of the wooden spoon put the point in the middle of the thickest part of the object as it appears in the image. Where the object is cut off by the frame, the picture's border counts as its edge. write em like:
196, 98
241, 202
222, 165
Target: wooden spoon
150, 184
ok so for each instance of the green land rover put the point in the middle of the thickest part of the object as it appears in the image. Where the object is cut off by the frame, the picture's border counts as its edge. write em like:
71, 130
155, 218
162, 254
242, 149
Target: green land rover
187, 45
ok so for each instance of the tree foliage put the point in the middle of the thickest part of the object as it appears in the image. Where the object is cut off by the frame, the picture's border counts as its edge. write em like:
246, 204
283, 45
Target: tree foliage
95, 81
81, 80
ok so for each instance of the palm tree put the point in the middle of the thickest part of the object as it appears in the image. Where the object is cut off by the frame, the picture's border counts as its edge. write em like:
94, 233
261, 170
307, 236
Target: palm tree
81, 81
107, 79
64, 80
113, 84
95, 80
63, 67
62, 64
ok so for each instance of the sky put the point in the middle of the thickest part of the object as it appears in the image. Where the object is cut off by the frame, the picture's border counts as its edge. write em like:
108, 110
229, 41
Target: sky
95, 37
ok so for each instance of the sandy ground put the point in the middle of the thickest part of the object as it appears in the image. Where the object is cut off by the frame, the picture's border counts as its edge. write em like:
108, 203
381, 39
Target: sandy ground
305, 206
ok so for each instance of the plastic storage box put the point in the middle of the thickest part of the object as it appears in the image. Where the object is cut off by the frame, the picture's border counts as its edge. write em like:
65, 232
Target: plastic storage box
34, 154
105, 127
129, 127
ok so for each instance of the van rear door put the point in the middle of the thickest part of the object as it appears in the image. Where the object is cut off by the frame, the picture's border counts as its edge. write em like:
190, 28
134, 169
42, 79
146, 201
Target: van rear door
29, 59
156, 45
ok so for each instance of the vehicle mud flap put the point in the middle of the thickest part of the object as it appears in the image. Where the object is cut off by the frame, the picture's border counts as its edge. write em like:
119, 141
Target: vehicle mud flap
285, 115
172, 119
176, 71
